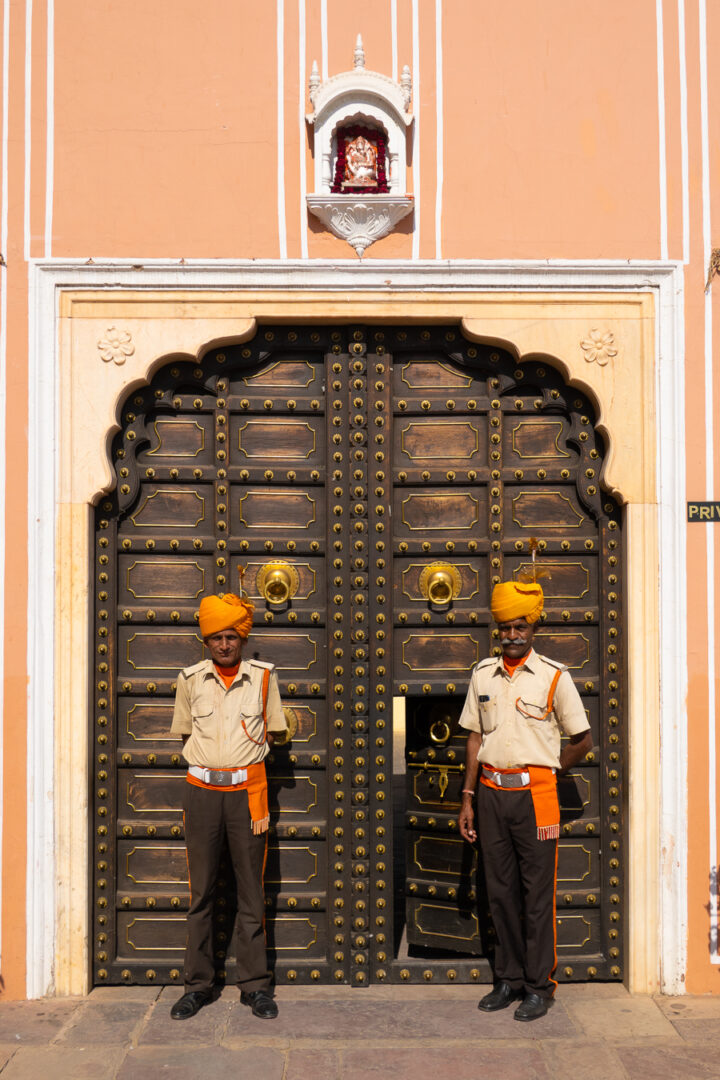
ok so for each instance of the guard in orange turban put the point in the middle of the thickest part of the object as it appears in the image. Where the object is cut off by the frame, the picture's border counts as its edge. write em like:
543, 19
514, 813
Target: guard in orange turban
516, 600
228, 612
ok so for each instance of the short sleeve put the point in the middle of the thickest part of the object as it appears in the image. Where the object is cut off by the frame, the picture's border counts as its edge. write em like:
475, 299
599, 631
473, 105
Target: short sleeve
568, 706
275, 715
470, 716
182, 716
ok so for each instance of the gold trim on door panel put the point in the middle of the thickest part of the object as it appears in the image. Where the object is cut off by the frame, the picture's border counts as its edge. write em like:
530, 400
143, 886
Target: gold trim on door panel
275, 919
174, 524
150, 738
540, 424
574, 918
291, 637
178, 777
440, 457
565, 847
558, 634
158, 633
436, 933
432, 870
552, 524
249, 380
277, 495
174, 595
294, 779
155, 881
291, 880
426, 527
444, 666
463, 381
282, 451
177, 453
151, 948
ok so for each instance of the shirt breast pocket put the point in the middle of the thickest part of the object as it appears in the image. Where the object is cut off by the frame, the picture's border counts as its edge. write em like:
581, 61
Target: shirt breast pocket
488, 714
536, 714
202, 705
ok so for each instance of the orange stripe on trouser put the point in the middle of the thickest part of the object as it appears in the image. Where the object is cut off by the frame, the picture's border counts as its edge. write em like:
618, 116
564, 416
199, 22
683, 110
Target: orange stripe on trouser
555, 964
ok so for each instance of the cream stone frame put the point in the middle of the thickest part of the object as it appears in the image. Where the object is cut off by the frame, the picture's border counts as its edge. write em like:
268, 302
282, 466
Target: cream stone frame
535, 311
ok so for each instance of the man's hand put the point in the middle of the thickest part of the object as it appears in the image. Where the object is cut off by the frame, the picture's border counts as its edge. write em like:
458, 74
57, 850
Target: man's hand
466, 820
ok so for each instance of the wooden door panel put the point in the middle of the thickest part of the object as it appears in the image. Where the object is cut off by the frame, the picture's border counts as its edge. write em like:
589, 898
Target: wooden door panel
423, 443
169, 581
176, 439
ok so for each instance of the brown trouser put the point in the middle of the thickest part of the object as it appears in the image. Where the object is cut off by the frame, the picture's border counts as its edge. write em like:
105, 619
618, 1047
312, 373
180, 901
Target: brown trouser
520, 873
209, 817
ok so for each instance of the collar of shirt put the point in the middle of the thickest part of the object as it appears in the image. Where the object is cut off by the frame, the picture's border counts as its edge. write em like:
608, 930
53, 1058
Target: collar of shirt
244, 672
530, 663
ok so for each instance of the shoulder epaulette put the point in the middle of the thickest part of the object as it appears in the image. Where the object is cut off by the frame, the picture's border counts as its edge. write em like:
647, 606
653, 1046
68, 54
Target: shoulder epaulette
262, 664
485, 663
193, 669
552, 663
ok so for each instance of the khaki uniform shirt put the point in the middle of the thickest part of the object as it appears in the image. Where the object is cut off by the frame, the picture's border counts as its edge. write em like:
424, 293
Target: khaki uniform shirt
213, 716
496, 706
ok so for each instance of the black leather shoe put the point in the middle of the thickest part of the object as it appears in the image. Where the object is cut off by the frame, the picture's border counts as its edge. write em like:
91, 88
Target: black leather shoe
499, 998
532, 1008
190, 1003
261, 1003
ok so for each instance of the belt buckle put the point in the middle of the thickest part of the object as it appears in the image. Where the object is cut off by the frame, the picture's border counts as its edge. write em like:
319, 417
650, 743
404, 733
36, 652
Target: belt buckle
217, 778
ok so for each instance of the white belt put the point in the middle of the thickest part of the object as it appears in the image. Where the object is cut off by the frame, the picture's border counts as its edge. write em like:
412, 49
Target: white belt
218, 777
507, 780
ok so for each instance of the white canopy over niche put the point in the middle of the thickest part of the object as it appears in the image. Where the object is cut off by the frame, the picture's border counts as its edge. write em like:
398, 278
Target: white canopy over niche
368, 98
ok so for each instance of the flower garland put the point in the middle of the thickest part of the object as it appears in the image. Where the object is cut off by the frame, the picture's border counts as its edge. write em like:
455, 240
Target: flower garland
379, 139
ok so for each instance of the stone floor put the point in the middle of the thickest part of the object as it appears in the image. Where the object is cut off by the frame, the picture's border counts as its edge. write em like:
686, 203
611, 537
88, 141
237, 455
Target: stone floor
331, 1033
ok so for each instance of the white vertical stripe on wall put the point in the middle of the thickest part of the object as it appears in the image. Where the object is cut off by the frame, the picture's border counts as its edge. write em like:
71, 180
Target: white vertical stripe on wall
661, 129
50, 128
684, 153
301, 121
282, 229
416, 127
324, 39
709, 489
3, 402
394, 39
28, 126
439, 152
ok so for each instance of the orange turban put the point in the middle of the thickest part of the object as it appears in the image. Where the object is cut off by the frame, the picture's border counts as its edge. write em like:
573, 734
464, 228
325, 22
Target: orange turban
514, 600
228, 612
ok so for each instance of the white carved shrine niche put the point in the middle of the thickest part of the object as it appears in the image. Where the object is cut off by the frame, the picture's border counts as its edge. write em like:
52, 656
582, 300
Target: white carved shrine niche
360, 129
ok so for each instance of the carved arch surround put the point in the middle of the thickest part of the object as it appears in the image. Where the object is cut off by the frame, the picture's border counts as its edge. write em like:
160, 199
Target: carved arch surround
172, 322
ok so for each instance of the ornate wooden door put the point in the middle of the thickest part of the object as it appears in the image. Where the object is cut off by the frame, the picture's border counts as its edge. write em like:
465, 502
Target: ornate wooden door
337, 466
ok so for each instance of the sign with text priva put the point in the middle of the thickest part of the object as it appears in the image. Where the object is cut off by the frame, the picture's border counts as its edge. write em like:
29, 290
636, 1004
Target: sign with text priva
703, 511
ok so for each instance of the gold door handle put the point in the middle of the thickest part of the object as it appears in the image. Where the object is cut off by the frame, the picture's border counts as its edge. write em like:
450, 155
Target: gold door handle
440, 583
278, 582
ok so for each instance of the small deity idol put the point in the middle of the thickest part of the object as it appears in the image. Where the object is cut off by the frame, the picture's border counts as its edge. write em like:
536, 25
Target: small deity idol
360, 163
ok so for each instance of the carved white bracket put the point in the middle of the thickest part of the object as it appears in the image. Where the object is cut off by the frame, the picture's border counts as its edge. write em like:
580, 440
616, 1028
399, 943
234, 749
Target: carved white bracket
360, 221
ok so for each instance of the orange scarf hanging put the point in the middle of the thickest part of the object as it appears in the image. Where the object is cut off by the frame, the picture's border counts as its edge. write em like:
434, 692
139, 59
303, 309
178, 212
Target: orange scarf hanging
543, 789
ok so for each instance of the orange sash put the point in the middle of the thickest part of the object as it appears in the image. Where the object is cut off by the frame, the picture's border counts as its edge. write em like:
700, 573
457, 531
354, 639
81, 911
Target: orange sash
256, 787
543, 789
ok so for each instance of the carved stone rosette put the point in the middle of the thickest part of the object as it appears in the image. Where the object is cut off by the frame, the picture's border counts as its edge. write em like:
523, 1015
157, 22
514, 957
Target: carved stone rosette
360, 221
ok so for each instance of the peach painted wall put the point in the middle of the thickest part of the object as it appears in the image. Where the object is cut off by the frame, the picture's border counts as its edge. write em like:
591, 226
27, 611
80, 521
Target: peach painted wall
150, 130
